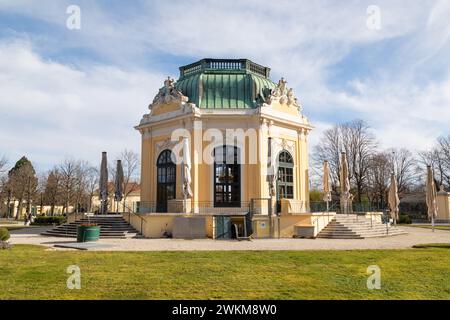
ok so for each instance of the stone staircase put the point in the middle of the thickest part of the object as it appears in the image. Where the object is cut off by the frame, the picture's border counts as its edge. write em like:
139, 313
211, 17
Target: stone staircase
356, 227
111, 226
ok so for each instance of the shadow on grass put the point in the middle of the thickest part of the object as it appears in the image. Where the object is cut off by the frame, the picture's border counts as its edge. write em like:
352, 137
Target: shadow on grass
432, 245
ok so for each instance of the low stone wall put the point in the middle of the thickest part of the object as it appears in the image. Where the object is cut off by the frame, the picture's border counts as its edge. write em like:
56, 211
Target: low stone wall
160, 225
443, 204
286, 226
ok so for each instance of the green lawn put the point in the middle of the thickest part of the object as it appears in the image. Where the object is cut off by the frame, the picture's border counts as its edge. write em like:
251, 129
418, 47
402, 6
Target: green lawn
12, 227
427, 226
31, 272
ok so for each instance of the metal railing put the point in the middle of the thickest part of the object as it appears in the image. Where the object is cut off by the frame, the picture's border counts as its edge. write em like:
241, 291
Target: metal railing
132, 212
315, 222
293, 206
194, 207
224, 64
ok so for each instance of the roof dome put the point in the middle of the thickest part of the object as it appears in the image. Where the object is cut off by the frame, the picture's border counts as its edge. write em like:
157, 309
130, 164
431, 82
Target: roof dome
225, 83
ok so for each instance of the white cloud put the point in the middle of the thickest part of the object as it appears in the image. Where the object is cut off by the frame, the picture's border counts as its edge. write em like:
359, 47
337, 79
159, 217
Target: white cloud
50, 110
403, 91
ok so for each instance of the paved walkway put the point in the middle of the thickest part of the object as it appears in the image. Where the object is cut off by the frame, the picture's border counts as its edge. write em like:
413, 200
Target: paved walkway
414, 236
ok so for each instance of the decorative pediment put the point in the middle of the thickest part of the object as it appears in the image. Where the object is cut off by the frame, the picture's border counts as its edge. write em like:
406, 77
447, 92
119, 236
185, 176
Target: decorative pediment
284, 96
168, 95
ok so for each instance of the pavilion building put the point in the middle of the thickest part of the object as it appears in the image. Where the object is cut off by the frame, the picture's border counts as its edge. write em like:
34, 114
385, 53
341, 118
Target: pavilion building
224, 150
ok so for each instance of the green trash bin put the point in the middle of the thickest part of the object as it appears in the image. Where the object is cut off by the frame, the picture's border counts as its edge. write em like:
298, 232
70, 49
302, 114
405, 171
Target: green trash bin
87, 233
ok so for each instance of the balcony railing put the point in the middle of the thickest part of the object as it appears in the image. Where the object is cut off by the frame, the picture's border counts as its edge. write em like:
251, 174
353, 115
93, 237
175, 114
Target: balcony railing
191, 207
226, 65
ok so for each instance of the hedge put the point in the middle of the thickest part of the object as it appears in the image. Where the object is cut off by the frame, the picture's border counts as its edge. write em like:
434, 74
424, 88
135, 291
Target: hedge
404, 219
49, 220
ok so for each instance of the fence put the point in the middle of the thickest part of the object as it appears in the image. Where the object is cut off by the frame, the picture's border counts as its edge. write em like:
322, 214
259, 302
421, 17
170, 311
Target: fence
259, 206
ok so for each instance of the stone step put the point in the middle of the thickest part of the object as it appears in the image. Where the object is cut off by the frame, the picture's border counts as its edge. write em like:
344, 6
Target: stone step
112, 227
339, 236
101, 227
59, 235
350, 236
101, 233
364, 235
350, 227
360, 229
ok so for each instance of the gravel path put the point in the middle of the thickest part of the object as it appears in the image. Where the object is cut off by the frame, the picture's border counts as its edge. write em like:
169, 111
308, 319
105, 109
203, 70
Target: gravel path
414, 236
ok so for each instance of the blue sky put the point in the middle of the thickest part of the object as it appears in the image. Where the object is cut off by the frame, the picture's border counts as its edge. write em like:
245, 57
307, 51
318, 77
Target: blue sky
73, 93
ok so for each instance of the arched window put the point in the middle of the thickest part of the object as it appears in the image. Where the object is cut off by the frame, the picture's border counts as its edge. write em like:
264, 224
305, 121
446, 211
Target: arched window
166, 180
285, 177
227, 177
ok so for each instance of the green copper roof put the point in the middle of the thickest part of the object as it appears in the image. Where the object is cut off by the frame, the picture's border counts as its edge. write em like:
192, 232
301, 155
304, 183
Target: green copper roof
225, 83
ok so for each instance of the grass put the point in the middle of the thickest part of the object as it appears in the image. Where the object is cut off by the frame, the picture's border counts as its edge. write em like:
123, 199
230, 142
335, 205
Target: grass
2, 221
14, 227
32, 272
437, 227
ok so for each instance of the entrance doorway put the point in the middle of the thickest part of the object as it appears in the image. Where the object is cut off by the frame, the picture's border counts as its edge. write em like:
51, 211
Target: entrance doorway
166, 180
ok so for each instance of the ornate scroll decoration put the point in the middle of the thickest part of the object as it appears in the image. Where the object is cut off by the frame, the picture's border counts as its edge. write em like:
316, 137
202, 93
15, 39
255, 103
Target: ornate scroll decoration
168, 94
284, 95
166, 144
280, 144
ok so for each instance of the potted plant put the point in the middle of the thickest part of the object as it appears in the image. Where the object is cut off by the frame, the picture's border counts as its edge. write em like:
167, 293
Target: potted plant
88, 232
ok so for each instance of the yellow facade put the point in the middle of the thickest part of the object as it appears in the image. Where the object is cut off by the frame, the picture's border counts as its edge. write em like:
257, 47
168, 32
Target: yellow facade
278, 118
443, 206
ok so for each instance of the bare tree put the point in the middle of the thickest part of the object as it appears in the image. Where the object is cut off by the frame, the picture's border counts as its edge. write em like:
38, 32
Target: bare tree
329, 148
68, 171
40, 190
3, 187
362, 146
92, 178
438, 158
357, 140
82, 186
379, 173
443, 144
403, 164
3, 163
130, 162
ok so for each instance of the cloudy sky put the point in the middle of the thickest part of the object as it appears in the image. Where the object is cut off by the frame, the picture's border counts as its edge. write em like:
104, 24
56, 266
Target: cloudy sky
73, 93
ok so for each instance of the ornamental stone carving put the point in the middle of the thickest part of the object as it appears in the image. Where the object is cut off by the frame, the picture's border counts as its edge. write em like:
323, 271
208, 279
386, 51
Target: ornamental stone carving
168, 94
284, 95
165, 144
280, 144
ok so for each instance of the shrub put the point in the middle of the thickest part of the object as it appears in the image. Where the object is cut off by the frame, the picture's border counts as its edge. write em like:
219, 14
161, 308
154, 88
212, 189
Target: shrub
49, 220
4, 234
315, 195
404, 219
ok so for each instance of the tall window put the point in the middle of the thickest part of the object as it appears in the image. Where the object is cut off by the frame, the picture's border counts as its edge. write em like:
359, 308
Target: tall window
227, 177
166, 179
285, 183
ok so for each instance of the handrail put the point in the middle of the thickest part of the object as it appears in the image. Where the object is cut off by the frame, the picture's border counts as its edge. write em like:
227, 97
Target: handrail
317, 218
130, 212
